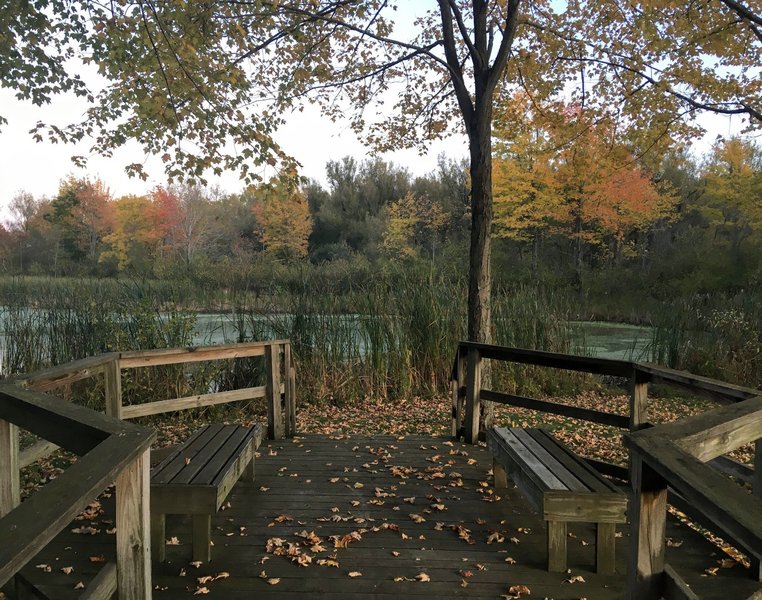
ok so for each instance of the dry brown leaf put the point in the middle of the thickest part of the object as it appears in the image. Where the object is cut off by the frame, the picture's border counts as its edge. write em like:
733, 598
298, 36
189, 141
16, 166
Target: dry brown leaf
273, 581
80, 585
67, 570
355, 574
516, 591
422, 577
200, 591
575, 579
328, 562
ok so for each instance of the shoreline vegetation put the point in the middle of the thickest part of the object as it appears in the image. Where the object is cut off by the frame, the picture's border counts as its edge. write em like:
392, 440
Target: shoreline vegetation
385, 338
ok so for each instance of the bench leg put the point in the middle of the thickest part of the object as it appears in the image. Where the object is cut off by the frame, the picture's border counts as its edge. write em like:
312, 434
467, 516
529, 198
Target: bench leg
158, 543
605, 562
249, 472
501, 479
557, 546
202, 537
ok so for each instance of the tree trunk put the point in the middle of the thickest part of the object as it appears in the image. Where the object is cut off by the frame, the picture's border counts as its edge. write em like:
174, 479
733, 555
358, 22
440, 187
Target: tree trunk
479, 274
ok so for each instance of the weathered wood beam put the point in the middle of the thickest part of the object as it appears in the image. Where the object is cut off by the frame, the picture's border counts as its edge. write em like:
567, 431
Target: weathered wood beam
133, 530
171, 356
602, 366
648, 521
10, 490
53, 377
198, 401
566, 410
275, 426
473, 399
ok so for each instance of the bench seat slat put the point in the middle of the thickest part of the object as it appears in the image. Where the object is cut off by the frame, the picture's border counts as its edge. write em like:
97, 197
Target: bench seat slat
583, 471
557, 467
215, 468
165, 471
189, 471
539, 473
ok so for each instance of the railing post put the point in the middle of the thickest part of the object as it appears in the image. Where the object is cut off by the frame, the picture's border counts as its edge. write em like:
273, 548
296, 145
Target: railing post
272, 394
133, 531
112, 375
757, 481
648, 522
473, 395
290, 391
638, 399
10, 491
457, 397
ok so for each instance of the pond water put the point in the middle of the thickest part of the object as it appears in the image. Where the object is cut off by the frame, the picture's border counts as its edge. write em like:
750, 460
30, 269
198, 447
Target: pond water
613, 340
593, 338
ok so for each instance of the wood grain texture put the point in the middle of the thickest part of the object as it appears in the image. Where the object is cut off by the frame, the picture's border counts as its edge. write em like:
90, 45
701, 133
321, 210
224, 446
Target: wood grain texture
104, 584
112, 375
197, 401
172, 356
473, 398
555, 408
648, 514
133, 530
10, 491
275, 425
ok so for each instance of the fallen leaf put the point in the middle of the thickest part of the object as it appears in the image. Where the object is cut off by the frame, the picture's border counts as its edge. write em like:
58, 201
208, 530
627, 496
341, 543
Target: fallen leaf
422, 577
273, 581
98, 559
494, 537
516, 591
67, 570
575, 579
80, 586
355, 574
201, 590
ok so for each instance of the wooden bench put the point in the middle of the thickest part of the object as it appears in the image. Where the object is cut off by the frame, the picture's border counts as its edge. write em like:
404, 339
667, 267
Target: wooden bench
562, 487
196, 478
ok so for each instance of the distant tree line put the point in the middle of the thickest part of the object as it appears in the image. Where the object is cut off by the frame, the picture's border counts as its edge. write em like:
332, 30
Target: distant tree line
563, 215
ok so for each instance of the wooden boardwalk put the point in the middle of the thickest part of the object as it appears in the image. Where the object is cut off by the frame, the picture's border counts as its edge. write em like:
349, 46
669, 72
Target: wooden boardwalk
377, 518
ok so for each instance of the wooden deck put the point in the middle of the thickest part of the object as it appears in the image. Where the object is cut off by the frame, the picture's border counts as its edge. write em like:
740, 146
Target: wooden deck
405, 509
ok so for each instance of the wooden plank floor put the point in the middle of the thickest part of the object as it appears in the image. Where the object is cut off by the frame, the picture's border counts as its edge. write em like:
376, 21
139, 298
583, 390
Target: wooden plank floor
372, 489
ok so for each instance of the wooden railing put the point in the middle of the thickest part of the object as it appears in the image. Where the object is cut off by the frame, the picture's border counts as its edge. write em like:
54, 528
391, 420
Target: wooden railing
110, 449
679, 461
279, 372
673, 456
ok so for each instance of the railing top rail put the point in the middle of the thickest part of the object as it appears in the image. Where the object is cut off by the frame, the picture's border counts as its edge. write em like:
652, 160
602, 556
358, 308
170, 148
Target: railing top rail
106, 446
50, 377
718, 390
184, 349
166, 356
706, 385
602, 366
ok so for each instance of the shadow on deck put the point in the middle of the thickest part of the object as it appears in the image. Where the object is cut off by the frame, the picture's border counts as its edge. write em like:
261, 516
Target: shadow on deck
419, 508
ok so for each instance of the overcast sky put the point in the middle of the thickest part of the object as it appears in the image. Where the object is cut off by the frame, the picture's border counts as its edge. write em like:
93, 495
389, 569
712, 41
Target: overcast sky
39, 167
